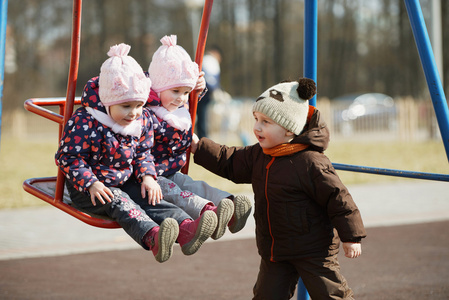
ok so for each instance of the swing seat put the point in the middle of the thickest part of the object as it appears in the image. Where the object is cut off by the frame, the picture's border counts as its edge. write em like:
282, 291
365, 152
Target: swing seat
45, 189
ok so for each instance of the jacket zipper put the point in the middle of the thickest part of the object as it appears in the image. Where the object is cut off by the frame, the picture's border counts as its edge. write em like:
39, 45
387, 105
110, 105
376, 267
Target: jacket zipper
268, 208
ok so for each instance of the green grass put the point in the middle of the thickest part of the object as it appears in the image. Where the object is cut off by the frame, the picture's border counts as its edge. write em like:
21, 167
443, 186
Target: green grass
27, 159
21, 160
427, 156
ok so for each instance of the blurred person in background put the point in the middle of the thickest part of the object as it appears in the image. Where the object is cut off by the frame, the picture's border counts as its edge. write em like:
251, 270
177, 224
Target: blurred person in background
211, 69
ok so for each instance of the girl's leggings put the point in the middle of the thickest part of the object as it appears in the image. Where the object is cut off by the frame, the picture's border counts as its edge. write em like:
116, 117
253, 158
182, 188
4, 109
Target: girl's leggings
129, 209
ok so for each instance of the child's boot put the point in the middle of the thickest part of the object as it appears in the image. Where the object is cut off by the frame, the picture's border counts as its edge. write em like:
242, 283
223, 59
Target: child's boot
224, 212
160, 239
242, 209
192, 234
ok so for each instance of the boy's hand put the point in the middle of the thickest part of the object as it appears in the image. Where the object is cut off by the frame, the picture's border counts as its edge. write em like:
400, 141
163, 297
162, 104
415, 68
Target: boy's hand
99, 190
201, 83
352, 250
194, 144
150, 185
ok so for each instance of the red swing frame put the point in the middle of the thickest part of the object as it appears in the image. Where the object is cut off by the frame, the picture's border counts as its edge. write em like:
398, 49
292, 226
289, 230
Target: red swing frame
66, 105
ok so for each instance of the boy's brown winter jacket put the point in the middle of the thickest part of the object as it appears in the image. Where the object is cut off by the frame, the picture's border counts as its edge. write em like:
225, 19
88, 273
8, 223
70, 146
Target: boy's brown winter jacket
299, 199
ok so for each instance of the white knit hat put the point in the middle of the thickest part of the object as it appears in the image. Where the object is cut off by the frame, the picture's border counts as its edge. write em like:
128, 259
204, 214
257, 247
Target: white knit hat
171, 66
287, 103
122, 78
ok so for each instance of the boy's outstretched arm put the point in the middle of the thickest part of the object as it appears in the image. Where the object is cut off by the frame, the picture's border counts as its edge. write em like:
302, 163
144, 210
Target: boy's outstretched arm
352, 250
233, 163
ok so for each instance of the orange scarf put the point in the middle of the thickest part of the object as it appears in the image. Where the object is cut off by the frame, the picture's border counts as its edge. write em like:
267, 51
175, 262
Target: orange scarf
285, 149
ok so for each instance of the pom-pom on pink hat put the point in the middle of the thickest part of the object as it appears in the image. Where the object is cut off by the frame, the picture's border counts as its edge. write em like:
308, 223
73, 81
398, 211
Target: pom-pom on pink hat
122, 78
172, 66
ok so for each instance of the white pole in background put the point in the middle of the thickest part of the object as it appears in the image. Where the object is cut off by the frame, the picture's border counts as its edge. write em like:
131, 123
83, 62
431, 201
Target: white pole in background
436, 36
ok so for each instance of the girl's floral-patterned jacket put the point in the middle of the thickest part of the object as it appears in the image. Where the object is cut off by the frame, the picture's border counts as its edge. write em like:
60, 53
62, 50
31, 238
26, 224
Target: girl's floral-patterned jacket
90, 151
170, 144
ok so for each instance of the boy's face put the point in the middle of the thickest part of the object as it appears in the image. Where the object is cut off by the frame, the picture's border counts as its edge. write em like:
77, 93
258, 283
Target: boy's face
268, 133
125, 113
173, 98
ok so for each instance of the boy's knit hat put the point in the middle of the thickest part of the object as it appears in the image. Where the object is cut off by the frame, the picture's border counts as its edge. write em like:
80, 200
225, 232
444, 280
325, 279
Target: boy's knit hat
172, 66
287, 103
122, 78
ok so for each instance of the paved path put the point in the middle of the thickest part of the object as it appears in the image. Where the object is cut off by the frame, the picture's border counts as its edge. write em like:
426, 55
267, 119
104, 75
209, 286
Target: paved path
47, 231
405, 256
405, 262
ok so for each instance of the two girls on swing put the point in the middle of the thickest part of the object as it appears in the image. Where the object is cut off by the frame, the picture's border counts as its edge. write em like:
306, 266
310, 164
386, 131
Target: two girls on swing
123, 150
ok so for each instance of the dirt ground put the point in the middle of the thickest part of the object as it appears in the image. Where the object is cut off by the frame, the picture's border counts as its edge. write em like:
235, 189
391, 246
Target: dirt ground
399, 262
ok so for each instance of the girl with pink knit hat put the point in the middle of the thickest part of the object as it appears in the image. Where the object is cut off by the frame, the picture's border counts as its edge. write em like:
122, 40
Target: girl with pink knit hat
105, 155
174, 75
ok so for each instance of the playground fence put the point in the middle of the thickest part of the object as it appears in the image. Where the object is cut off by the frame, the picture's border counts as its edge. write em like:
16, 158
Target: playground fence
413, 121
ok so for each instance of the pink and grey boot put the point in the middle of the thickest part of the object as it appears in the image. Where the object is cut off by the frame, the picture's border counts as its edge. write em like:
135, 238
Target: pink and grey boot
242, 210
224, 212
192, 234
160, 239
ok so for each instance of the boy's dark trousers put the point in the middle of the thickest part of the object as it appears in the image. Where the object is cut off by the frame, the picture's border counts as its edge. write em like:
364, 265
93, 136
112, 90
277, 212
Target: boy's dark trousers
321, 277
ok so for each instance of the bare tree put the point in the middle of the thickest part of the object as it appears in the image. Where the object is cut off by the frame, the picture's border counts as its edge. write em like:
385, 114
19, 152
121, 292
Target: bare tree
362, 45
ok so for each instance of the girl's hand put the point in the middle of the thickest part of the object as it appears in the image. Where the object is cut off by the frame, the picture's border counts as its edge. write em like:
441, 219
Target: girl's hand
150, 185
194, 144
99, 190
352, 250
201, 83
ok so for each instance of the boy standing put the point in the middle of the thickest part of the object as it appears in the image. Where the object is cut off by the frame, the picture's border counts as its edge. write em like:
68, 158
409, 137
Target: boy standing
302, 209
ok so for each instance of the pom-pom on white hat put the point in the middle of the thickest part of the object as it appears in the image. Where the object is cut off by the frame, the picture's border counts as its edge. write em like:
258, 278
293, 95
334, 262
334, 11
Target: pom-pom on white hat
122, 78
287, 103
171, 66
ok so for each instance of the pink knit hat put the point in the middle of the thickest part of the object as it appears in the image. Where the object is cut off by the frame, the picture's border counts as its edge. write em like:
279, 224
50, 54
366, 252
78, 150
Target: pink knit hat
122, 78
172, 66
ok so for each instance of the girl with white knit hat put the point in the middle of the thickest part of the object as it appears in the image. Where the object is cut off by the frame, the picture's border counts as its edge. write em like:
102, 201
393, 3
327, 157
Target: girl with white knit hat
105, 154
174, 75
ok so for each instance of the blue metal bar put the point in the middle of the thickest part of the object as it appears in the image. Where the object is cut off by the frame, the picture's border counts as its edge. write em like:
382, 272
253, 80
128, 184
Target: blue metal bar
310, 41
430, 69
3, 18
310, 71
302, 291
392, 172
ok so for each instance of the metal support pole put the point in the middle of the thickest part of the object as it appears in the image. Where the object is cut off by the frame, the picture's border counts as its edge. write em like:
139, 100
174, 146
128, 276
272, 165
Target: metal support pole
436, 35
200, 48
392, 172
310, 41
302, 291
310, 71
71, 84
3, 23
430, 69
